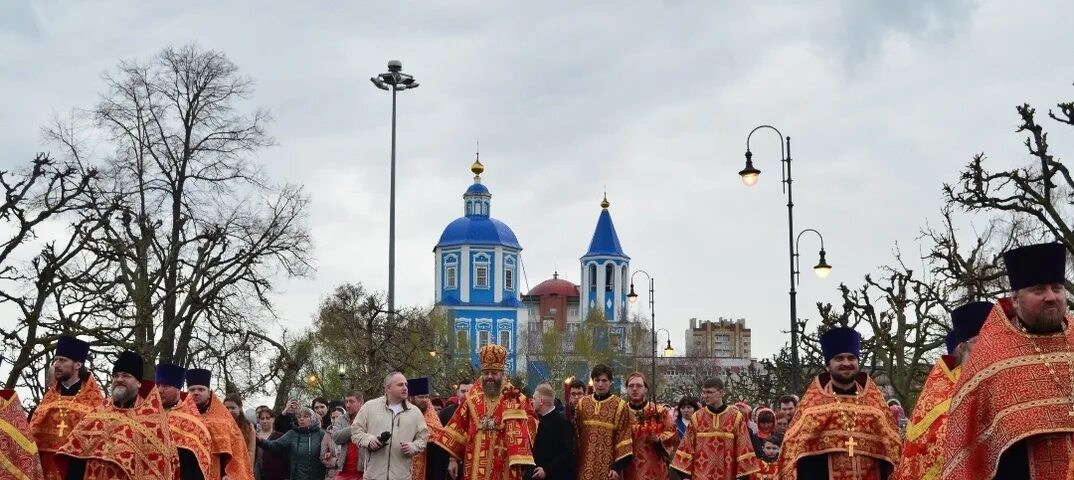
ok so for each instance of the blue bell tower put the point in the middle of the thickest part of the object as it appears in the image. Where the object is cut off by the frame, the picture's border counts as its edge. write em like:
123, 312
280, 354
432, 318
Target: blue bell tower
605, 271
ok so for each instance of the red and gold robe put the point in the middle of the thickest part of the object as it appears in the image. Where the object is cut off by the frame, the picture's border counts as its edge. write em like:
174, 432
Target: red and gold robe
820, 427
1007, 394
57, 415
651, 455
922, 449
123, 443
229, 448
604, 436
493, 437
420, 461
768, 471
716, 446
18, 452
188, 432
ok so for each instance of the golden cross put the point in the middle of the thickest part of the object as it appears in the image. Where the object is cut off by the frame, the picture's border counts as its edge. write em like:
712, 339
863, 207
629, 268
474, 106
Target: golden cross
850, 446
62, 427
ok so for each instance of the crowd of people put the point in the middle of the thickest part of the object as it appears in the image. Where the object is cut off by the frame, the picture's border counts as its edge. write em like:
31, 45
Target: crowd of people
999, 405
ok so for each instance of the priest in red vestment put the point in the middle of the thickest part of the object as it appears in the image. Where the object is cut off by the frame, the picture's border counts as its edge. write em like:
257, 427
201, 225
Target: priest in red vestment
602, 424
189, 434
922, 450
842, 429
230, 456
73, 395
1012, 414
493, 428
18, 452
429, 464
125, 438
652, 430
717, 443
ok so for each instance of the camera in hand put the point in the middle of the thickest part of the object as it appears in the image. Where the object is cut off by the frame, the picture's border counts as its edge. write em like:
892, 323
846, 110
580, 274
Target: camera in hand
383, 438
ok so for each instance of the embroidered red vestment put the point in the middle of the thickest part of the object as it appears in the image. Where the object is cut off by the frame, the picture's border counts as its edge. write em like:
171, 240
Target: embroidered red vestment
228, 446
123, 443
493, 437
419, 461
922, 449
57, 415
188, 432
604, 436
654, 438
18, 452
716, 446
1015, 386
857, 433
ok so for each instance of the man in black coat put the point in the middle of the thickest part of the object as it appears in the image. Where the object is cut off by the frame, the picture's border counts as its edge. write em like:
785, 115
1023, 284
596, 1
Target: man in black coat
553, 449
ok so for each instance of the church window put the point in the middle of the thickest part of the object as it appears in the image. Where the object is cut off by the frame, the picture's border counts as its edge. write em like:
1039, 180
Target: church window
608, 277
469, 208
509, 279
451, 273
482, 339
462, 340
593, 277
481, 271
505, 339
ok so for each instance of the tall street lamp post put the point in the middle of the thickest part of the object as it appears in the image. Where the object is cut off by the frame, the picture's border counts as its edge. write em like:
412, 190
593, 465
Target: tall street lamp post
749, 176
632, 297
396, 81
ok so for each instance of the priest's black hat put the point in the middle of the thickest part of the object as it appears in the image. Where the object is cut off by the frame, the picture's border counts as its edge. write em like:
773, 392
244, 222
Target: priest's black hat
969, 318
198, 376
171, 375
72, 348
1039, 264
949, 341
840, 340
418, 386
129, 362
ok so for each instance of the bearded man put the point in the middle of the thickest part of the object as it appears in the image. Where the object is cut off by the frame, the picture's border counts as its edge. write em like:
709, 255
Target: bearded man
73, 394
189, 434
124, 438
1012, 414
843, 428
493, 428
230, 457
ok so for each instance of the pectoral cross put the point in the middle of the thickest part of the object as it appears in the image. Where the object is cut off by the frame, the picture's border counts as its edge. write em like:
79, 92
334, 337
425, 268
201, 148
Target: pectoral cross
850, 446
62, 427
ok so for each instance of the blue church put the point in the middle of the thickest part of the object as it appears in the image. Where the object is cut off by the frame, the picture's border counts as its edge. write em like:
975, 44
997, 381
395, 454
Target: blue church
477, 266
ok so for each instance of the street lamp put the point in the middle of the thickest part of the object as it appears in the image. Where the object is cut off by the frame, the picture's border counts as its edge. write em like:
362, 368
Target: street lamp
750, 175
396, 81
632, 297
668, 350
822, 268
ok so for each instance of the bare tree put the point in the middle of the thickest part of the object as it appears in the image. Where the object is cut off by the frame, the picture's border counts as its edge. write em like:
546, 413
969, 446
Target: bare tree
193, 233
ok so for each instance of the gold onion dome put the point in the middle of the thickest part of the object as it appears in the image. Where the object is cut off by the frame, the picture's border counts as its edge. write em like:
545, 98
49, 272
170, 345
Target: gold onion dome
477, 167
605, 203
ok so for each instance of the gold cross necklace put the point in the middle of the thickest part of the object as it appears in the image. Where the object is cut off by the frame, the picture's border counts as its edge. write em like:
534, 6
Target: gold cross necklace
850, 423
1051, 369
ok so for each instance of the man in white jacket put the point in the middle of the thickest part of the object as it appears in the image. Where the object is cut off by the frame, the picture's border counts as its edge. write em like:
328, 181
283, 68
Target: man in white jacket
391, 430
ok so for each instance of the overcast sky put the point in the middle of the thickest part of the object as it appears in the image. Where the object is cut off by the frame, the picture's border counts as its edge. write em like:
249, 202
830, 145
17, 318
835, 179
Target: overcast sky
884, 102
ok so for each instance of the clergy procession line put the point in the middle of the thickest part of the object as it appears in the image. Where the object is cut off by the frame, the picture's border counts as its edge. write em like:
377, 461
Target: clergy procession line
999, 405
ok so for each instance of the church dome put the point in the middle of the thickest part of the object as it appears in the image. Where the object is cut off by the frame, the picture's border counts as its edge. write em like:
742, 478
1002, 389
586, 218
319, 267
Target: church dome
555, 286
476, 230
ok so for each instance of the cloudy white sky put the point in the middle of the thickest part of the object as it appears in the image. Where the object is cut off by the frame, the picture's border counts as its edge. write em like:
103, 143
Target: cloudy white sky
884, 102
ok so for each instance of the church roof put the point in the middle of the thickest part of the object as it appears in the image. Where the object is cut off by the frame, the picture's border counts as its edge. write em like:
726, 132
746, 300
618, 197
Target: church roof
478, 230
605, 242
555, 286
478, 188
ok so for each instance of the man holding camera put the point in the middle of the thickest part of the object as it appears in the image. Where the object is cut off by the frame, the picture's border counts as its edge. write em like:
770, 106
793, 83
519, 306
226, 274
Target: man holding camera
392, 430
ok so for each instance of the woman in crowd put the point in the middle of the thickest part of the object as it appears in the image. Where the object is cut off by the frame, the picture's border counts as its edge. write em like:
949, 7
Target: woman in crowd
329, 449
320, 408
766, 430
234, 405
269, 465
304, 443
687, 407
